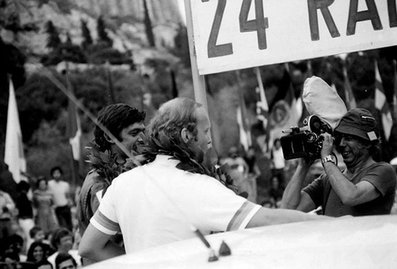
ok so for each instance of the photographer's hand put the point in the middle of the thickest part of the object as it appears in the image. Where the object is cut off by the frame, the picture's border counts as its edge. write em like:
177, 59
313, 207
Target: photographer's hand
328, 145
305, 162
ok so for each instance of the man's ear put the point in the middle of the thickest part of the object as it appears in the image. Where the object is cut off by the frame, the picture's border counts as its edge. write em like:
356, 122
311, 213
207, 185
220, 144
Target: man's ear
185, 135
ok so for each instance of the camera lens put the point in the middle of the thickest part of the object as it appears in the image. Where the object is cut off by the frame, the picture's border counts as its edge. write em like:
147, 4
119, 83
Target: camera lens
311, 137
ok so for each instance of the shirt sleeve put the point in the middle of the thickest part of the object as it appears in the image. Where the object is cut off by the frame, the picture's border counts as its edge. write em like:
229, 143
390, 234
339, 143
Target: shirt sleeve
316, 190
216, 208
105, 218
96, 194
382, 177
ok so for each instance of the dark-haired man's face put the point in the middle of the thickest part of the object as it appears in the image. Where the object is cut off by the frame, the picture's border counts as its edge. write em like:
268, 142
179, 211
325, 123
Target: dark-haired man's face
56, 174
65, 243
132, 137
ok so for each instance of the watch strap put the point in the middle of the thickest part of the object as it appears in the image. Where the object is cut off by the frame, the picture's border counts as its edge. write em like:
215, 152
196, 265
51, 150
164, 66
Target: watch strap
328, 158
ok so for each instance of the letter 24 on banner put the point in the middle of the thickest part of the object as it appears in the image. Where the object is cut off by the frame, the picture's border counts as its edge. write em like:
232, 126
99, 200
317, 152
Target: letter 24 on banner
237, 34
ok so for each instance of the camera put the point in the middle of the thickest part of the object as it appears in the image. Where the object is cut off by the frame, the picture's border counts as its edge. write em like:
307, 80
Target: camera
306, 141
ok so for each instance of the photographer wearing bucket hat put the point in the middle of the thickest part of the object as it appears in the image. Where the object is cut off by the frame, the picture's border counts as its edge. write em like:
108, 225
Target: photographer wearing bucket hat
366, 187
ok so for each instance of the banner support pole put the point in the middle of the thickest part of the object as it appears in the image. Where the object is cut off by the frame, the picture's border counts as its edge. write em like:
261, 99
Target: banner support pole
200, 91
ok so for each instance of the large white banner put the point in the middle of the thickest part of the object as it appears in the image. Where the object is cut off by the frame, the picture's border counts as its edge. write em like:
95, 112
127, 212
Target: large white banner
236, 34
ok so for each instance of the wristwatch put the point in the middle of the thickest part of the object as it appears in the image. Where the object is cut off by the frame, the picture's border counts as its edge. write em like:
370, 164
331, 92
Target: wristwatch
329, 158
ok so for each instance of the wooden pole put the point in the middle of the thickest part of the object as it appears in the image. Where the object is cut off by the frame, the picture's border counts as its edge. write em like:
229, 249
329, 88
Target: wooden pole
73, 164
200, 92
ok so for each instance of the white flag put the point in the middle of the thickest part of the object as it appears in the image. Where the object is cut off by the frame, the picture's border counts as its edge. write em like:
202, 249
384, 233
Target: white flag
245, 135
381, 104
14, 156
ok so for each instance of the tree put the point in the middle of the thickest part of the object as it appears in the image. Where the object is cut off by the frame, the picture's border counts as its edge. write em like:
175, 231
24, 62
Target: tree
87, 39
148, 25
53, 40
38, 100
181, 46
102, 35
10, 16
68, 40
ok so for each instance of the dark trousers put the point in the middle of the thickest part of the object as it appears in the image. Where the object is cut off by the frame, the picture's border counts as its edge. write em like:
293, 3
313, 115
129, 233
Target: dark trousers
5, 228
64, 217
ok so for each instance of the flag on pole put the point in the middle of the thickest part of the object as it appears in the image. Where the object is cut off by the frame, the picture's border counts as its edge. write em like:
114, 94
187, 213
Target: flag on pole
73, 128
395, 81
381, 104
295, 103
309, 68
262, 107
14, 156
285, 113
74, 132
245, 133
244, 126
349, 96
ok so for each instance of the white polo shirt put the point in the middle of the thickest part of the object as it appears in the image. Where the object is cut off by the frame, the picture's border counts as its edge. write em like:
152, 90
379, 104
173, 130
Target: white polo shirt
60, 190
156, 204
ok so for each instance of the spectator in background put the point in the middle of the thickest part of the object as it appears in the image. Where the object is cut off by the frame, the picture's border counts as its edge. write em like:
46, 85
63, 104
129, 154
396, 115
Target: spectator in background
7, 207
62, 241
254, 172
25, 209
43, 201
62, 200
250, 159
11, 260
37, 254
13, 245
276, 193
37, 235
239, 173
7, 182
65, 261
278, 162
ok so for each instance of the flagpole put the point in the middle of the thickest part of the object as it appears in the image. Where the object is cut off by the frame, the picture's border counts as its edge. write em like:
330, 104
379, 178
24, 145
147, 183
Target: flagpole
200, 93
74, 165
382, 105
265, 107
394, 111
110, 83
245, 125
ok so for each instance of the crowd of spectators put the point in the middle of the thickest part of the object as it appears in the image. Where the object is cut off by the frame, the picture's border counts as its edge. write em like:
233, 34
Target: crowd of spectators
33, 229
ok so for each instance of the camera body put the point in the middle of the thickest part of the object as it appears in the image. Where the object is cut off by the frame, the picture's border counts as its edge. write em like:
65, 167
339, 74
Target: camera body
305, 142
